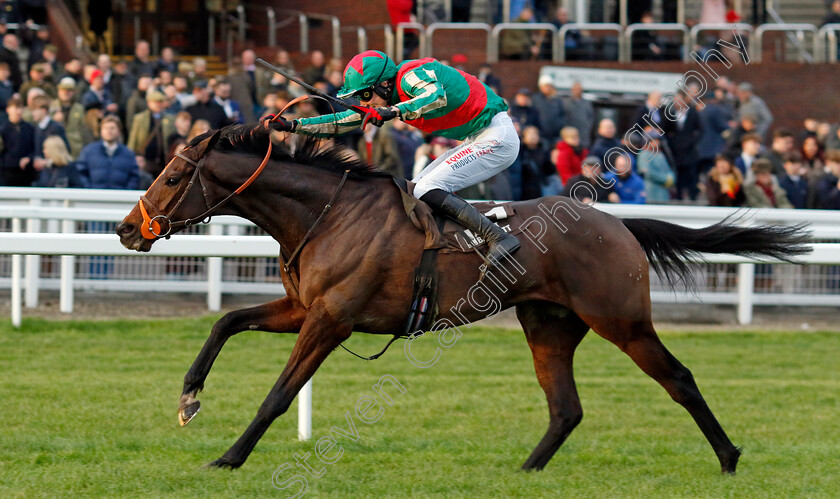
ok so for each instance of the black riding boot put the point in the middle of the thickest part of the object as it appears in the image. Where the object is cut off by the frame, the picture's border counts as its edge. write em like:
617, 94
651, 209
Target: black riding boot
499, 242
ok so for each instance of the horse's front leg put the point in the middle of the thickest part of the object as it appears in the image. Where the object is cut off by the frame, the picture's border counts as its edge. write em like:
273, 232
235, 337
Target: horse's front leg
319, 336
280, 316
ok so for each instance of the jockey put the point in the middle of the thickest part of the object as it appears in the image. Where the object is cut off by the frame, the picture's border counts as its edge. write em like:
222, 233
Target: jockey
441, 100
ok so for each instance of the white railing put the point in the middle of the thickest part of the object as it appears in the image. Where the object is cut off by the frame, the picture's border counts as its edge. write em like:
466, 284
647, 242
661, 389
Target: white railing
62, 210
18, 243
495, 37
694, 34
799, 29
566, 28
362, 37
828, 41
399, 40
70, 245
435, 27
303, 22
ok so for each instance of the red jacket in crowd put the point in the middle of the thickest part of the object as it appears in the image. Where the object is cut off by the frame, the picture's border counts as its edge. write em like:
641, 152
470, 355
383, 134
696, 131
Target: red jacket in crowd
568, 162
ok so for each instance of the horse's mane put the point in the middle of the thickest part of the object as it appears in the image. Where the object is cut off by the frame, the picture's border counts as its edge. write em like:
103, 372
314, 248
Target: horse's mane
254, 139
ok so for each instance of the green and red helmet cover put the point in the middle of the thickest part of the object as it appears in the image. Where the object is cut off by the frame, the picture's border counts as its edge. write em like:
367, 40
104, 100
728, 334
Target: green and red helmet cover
366, 70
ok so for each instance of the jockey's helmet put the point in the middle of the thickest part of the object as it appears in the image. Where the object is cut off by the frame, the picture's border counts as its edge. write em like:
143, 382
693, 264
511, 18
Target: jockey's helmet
364, 72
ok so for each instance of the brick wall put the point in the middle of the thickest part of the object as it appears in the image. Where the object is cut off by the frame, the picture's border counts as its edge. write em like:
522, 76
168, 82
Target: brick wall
350, 13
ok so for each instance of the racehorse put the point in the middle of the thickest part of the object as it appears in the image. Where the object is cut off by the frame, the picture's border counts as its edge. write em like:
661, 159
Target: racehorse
356, 250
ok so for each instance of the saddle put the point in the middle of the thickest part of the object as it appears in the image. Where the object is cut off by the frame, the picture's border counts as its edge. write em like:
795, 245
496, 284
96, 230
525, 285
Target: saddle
447, 235
442, 235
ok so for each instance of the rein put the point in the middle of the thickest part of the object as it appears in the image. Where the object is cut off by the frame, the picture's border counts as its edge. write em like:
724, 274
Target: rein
151, 228
376, 355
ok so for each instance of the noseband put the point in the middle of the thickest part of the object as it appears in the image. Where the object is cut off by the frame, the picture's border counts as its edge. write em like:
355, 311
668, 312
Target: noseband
151, 228
152, 225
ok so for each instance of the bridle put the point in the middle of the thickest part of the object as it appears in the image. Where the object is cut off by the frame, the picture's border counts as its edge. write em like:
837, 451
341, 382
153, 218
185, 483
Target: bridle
151, 228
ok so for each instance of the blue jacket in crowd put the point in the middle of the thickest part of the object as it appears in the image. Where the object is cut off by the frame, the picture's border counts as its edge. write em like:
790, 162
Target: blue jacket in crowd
827, 193
796, 190
602, 146
714, 124
101, 171
631, 190
60, 176
53, 128
91, 100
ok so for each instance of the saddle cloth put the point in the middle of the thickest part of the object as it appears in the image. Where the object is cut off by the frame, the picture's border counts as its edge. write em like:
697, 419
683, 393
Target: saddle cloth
454, 237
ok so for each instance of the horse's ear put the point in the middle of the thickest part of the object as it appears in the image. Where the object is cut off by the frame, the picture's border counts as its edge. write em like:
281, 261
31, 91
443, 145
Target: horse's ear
209, 143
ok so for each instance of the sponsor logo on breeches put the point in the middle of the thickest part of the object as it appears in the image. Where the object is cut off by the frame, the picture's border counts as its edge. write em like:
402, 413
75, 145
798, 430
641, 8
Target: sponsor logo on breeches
469, 154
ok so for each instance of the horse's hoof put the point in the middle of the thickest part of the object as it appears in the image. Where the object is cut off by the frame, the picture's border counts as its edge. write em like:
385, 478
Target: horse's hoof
222, 462
188, 411
533, 465
730, 462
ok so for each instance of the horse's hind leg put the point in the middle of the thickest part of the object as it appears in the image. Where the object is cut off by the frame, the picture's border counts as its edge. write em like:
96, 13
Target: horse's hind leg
284, 315
640, 342
553, 333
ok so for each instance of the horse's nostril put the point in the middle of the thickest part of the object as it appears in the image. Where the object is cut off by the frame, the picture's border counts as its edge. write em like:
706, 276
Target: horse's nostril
125, 229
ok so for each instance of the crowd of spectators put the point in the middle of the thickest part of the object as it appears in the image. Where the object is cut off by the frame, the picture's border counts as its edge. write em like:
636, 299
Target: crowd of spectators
757, 168
712, 152
537, 44
718, 148
119, 122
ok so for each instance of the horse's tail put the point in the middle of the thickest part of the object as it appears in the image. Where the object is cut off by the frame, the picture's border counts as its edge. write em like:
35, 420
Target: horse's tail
668, 245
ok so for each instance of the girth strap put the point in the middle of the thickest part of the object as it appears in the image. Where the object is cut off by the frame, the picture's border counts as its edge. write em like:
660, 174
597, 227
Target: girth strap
424, 300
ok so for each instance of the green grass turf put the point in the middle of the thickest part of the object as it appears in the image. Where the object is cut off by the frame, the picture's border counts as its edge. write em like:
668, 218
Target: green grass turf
89, 409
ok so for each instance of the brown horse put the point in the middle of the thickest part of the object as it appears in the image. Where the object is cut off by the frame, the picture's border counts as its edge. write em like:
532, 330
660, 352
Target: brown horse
578, 269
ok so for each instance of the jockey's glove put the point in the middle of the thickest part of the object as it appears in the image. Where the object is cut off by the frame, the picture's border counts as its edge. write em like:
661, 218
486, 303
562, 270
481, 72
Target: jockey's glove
382, 114
279, 123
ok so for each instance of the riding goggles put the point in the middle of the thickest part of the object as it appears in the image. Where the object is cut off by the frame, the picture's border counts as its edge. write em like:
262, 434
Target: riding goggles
364, 94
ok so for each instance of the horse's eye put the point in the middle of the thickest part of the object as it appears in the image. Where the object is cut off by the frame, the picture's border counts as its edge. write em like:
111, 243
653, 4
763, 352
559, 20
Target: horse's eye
172, 181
